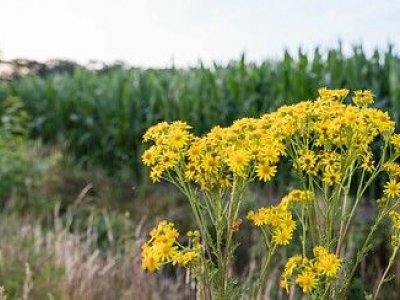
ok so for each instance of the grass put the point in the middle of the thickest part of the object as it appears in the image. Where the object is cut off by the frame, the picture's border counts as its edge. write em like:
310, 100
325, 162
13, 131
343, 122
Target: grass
60, 264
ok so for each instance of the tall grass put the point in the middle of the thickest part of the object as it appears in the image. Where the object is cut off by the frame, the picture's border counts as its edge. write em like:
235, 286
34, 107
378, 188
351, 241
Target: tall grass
61, 263
102, 115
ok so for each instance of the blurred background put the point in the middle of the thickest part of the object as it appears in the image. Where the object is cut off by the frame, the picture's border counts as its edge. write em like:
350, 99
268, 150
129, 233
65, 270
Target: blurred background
80, 82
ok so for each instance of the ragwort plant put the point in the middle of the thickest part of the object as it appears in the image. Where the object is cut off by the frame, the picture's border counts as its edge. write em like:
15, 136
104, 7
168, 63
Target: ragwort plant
329, 142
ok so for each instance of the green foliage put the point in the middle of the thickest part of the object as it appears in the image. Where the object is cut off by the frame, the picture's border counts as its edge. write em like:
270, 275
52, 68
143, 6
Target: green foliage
20, 165
102, 115
13, 138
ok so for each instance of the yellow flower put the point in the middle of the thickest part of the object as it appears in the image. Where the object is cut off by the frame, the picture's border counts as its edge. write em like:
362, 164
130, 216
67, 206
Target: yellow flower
381, 120
395, 217
287, 223
331, 161
328, 94
274, 217
291, 264
392, 168
269, 155
238, 161
225, 181
155, 131
149, 157
363, 97
307, 281
156, 173
332, 177
282, 237
209, 163
190, 172
368, 165
265, 172
260, 218
299, 196
165, 251
392, 188
328, 265
395, 141
307, 161
184, 258
150, 262
196, 149
168, 159
178, 138
250, 215
320, 251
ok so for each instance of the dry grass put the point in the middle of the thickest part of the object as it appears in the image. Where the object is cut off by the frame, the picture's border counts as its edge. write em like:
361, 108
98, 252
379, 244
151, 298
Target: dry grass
61, 264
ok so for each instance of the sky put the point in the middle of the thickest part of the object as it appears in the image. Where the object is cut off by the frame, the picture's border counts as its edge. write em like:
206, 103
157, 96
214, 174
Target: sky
159, 33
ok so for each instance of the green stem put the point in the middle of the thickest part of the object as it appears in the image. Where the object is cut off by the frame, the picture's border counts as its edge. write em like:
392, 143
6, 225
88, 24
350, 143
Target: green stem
225, 256
264, 272
201, 223
395, 250
304, 227
361, 254
344, 210
360, 192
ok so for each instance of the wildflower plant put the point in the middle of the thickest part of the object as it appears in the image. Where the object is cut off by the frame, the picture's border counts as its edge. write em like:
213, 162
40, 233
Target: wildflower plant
328, 141
163, 247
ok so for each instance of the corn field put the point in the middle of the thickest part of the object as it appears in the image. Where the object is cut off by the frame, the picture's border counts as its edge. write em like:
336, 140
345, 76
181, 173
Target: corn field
101, 115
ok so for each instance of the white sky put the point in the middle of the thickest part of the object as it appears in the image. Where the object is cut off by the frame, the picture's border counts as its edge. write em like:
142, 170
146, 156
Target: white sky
157, 32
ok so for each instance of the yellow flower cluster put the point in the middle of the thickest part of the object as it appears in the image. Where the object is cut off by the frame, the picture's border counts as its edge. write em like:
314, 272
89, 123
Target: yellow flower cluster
297, 196
392, 187
245, 147
170, 140
211, 161
332, 95
395, 141
363, 98
336, 134
279, 217
251, 147
395, 217
163, 248
310, 272
392, 168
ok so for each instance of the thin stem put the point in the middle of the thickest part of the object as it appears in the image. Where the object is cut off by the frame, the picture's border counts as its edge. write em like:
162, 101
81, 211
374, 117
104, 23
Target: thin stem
344, 209
263, 275
201, 223
225, 257
304, 227
395, 250
361, 254
360, 192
